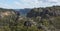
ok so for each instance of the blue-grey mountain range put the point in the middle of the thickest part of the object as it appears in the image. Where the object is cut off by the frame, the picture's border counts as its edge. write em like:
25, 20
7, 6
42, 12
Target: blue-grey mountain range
23, 12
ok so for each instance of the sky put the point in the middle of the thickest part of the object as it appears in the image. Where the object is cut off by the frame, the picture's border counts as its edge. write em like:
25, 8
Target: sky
20, 4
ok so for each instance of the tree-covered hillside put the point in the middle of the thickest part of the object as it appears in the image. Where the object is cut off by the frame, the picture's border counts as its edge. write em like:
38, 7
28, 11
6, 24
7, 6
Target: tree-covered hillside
37, 19
49, 16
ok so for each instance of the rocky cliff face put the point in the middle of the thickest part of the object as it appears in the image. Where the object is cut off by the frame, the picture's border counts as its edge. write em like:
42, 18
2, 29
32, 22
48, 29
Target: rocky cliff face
51, 11
7, 16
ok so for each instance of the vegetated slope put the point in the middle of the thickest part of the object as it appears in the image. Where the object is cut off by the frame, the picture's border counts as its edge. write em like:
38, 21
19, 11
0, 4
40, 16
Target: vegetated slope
8, 18
48, 15
42, 19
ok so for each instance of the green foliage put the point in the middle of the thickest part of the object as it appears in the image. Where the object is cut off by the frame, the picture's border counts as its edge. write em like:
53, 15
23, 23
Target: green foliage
9, 23
57, 22
46, 22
